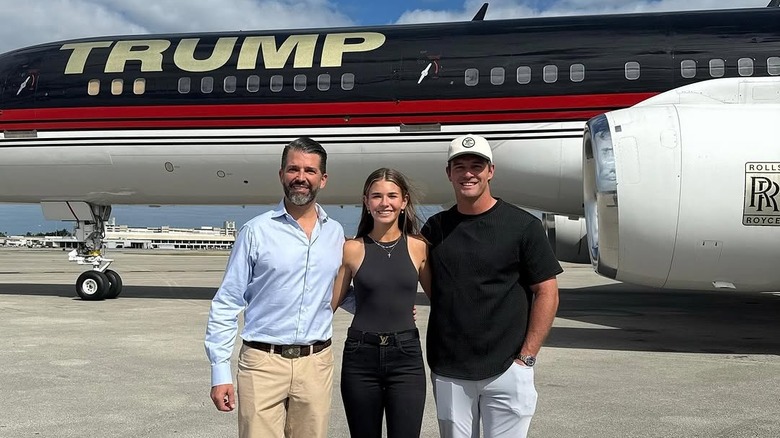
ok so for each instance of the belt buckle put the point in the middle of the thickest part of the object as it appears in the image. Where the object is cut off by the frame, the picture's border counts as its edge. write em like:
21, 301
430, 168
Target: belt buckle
383, 339
291, 352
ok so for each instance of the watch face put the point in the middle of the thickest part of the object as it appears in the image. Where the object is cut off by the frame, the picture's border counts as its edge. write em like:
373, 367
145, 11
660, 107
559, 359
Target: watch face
528, 360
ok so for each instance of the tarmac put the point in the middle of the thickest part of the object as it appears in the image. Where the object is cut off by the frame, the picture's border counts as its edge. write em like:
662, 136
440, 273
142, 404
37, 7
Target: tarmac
621, 360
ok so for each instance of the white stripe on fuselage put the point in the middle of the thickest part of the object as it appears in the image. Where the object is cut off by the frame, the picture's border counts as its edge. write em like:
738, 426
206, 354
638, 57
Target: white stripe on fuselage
538, 164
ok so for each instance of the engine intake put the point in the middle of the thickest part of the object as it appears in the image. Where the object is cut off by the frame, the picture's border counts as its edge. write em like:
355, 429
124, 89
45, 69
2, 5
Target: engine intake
685, 196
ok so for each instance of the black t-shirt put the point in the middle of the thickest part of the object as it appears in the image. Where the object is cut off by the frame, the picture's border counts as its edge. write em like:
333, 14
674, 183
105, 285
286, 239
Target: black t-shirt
482, 267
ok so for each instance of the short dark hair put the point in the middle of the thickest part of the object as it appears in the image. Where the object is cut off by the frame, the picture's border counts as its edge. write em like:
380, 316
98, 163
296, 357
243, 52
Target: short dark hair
307, 146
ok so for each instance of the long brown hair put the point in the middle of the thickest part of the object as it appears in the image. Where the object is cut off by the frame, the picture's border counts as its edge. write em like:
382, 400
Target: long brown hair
408, 221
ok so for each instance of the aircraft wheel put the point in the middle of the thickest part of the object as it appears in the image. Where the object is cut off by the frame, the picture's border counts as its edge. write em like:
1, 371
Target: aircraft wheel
115, 284
92, 285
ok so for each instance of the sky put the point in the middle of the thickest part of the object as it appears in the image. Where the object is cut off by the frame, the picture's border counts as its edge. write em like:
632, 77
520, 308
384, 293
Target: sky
34, 22
28, 23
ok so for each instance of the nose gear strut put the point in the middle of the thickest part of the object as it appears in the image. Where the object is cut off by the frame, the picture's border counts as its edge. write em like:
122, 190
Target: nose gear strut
99, 282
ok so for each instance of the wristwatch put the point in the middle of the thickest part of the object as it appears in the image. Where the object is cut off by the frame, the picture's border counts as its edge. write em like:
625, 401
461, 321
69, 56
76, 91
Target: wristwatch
527, 359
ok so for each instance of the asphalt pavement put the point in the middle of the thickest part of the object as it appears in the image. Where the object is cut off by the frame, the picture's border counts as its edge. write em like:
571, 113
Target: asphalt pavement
621, 361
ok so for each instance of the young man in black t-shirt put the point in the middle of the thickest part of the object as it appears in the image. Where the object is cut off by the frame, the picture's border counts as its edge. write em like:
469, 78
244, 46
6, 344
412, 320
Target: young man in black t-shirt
493, 302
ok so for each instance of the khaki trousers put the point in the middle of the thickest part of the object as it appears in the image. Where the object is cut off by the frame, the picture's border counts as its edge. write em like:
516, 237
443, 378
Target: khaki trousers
284, 398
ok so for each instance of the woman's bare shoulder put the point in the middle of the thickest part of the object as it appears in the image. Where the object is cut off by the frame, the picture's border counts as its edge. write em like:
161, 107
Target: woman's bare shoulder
353, 246
354, 242
417, 243
417, 240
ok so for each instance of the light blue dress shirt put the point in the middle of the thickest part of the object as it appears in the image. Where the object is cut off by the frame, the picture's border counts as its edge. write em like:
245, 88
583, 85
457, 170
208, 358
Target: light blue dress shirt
282, 280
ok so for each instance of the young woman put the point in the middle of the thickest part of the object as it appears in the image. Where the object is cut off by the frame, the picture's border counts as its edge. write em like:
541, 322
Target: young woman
382, 371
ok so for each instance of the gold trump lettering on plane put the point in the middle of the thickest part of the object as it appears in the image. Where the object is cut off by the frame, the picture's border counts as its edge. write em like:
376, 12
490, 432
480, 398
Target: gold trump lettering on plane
273, 54
762, 194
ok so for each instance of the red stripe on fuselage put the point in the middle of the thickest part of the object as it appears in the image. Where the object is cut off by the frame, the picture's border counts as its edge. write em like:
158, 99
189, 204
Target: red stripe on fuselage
450, 111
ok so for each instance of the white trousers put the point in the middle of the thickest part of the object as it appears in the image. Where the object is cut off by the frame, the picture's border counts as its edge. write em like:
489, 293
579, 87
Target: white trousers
504, 404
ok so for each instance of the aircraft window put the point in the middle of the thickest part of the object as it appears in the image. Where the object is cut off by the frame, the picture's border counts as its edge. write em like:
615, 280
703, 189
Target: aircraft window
207, 85
93, 87
347, 81
632, 70
472, 77
688, 68
253, 83
323, 82
773, 65
299, 83
116, 86
523, 74
577, 72
717, 68
550, 73
139, 86
497, 75
229, 84
277, 82
745, 66
184, 85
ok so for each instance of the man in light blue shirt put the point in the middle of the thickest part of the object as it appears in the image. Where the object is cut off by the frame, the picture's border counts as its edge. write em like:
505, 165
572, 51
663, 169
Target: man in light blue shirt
280, 274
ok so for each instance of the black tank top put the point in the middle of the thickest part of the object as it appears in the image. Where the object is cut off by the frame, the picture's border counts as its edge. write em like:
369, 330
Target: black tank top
385, 288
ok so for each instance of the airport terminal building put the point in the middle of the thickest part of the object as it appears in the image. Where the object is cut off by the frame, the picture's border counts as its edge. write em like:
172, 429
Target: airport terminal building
163, 237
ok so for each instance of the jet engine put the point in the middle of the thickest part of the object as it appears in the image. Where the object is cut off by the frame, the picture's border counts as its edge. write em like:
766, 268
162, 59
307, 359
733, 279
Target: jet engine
687, 195
567, 237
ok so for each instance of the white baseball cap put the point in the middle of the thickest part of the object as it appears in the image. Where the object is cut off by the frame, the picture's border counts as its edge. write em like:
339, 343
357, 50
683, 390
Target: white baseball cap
470, 144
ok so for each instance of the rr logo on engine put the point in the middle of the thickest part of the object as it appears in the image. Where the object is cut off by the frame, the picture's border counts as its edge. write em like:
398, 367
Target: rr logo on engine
762, 194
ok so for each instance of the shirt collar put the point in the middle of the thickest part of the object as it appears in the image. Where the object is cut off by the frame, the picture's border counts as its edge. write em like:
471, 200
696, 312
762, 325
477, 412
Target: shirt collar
280, 210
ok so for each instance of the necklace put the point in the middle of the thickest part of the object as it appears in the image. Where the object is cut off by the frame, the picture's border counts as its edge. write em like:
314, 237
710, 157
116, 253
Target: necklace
386, 248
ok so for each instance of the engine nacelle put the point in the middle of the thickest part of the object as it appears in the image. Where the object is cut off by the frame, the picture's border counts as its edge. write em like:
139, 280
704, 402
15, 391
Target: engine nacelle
567, 237
686, 195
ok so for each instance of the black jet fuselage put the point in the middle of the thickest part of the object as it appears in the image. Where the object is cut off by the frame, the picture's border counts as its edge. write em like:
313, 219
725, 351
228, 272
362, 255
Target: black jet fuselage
202, 118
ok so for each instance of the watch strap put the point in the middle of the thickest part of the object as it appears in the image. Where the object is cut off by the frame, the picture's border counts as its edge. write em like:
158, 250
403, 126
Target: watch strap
527, 359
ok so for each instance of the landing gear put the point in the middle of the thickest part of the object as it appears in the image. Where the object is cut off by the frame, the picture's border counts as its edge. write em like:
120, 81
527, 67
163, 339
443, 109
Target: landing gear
96, 285
100, 282
92, 285
114, 284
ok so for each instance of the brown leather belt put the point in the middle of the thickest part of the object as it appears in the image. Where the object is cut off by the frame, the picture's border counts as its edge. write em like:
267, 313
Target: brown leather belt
290, 351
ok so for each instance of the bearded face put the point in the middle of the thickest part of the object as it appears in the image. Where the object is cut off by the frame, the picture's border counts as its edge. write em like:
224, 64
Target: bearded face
300, 192
302, 178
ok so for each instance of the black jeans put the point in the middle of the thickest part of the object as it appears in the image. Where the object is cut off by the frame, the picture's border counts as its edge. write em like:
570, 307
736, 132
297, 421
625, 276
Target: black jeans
383, 379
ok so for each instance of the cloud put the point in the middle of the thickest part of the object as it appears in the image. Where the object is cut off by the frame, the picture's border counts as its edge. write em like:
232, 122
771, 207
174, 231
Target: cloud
37, 21
535, 8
